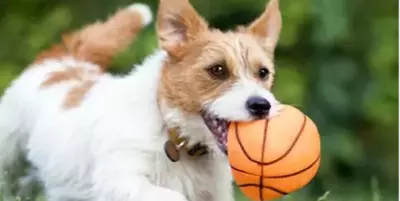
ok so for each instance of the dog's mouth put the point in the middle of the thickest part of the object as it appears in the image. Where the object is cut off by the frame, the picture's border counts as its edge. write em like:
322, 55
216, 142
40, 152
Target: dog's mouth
219, 129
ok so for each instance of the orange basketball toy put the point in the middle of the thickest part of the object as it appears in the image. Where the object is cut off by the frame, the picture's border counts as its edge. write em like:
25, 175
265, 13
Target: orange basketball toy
271, 158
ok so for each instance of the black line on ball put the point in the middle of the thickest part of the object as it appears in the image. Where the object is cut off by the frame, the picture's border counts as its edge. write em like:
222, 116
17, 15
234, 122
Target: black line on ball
291, 146
296, 173
278, 159
241, 145
281, 176
262, 160
263, 187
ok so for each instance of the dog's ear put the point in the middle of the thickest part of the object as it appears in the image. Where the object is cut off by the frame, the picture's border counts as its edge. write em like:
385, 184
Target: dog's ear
268, 25
178, 23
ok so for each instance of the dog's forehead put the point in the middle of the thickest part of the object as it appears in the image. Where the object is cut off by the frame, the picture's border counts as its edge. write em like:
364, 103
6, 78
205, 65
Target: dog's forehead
241, 50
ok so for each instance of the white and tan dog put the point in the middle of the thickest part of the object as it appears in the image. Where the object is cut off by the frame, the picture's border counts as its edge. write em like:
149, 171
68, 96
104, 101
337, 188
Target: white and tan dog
91, 136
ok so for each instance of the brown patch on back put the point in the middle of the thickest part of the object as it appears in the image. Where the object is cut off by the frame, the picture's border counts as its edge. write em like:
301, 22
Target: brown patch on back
68, 74
62, 76
85, 81
77, 94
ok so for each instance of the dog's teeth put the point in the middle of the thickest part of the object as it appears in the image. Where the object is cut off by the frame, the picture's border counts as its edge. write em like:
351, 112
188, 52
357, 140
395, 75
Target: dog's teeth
219, 129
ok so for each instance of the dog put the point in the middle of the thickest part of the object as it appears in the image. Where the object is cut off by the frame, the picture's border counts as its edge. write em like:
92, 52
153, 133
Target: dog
158, 133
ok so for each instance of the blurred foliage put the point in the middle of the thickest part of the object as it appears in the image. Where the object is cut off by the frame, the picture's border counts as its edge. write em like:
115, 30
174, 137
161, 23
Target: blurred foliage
337, 60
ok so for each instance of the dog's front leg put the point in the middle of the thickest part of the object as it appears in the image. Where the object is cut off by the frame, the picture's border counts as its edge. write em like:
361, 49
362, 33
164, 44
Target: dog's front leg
121, 172
223, 191
114, 182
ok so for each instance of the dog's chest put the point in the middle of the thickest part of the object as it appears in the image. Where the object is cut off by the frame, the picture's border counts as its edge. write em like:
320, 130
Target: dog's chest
194, 178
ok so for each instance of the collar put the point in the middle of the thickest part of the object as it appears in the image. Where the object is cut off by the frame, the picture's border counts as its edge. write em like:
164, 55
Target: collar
175, 144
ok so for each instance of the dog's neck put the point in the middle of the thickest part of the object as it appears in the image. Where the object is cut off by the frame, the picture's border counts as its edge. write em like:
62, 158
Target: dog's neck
183, 126
148, 75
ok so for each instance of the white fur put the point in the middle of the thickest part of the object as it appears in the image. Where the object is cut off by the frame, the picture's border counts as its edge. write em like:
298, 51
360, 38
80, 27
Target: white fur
144, 11
110, 147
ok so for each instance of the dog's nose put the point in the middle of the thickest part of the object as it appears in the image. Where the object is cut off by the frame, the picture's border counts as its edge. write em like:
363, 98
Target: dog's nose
258, 106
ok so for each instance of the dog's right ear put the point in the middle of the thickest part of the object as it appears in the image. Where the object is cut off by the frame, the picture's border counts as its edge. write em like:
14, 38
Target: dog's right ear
178, 23
268, 25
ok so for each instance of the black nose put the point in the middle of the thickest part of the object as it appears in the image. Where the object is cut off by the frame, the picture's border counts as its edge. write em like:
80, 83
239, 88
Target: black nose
258, 106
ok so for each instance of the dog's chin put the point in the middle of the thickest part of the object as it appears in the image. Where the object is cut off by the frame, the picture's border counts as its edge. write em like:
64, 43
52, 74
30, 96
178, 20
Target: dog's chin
219, 129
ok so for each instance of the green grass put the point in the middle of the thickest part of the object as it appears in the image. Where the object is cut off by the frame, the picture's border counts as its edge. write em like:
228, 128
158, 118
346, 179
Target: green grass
326, 197
345, 193
372, 194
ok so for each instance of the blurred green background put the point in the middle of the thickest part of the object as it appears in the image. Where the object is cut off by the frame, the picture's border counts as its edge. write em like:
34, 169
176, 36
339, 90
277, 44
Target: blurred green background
337, 60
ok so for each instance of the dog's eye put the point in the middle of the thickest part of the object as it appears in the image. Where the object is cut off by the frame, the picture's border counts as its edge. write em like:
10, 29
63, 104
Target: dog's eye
219, 71
263, 73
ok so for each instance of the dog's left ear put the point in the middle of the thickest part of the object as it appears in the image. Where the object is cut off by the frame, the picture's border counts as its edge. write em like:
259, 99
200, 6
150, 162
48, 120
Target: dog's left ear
177, 24
268, 25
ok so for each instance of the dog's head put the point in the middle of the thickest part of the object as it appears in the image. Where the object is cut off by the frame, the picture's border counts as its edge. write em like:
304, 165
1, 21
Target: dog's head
210, 77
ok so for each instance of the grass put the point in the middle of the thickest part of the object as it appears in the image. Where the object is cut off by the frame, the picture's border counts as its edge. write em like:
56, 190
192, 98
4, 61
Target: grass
372, 194
344, 194
324, 197
291, 198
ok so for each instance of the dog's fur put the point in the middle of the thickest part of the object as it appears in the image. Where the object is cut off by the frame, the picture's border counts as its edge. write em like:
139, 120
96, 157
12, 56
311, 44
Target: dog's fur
93, 136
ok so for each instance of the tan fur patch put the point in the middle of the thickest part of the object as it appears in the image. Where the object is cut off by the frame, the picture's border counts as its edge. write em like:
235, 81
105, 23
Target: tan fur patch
77, 94
85, 79
71, 73
62, 76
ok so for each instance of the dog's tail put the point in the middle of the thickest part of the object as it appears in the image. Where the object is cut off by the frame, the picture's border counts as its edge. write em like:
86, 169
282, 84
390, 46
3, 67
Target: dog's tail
98, 43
